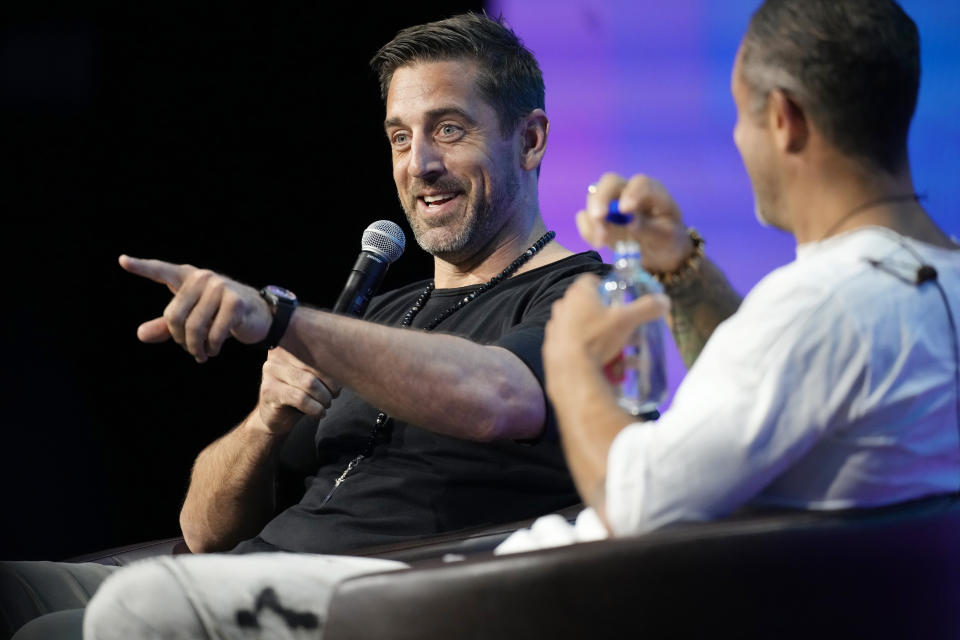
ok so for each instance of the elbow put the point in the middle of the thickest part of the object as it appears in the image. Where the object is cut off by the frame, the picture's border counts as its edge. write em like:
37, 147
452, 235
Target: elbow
191, 537
510, 412
195, 537
489, 429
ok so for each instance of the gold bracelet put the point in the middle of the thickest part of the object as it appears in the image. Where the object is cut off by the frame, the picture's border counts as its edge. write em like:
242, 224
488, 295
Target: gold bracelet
688, 269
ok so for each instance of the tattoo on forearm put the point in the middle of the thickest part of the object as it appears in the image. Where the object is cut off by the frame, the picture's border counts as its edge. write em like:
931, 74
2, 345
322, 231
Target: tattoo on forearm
697, 307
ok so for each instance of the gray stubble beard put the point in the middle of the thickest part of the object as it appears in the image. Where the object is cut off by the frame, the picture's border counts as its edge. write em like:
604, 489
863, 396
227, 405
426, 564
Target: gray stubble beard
479, 225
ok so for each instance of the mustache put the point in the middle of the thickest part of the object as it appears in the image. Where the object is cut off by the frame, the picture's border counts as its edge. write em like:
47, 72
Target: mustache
440, 184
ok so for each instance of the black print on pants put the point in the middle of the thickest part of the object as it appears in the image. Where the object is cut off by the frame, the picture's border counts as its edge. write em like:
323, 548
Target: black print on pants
268, 600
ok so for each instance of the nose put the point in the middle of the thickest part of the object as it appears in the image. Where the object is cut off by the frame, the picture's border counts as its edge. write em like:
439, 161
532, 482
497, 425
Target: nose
426, 160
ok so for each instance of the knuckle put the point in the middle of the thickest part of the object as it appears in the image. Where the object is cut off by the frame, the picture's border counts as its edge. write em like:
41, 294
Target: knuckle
638, 185
295, 397
279, 355
306, 380
194, 324
172, 315
268, 391
231, 301
193, 278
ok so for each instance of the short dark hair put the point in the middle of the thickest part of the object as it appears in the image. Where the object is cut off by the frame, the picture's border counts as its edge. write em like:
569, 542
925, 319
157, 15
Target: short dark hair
509, 77
852, 65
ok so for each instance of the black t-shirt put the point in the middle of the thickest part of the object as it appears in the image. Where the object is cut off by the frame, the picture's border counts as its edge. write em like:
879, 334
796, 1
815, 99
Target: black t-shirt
416, 482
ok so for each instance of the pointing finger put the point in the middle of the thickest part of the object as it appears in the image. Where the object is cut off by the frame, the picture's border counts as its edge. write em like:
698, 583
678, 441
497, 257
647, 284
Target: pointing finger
166, 273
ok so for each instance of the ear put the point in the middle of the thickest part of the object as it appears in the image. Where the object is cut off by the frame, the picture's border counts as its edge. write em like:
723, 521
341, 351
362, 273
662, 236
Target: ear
788, 122
533, 139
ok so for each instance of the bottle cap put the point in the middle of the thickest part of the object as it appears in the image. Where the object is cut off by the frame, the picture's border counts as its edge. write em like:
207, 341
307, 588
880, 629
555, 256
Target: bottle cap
615, 216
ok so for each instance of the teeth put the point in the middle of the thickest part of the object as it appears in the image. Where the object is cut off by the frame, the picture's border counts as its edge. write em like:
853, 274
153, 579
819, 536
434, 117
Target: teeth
432, 199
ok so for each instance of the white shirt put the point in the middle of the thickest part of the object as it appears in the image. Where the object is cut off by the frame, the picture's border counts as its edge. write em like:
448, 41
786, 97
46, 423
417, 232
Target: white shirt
832, 386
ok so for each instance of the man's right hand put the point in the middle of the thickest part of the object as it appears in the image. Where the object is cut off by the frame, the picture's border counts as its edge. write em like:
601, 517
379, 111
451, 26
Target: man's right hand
206, 308
290, 389
657, 223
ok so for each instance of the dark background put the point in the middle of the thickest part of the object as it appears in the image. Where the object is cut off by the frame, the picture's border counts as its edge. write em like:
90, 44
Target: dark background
249, 142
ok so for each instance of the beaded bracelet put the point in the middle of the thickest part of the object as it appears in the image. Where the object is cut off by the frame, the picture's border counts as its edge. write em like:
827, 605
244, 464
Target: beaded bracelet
688, 269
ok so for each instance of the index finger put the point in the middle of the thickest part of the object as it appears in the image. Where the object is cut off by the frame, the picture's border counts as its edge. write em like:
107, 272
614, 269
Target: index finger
602, 193
166, 273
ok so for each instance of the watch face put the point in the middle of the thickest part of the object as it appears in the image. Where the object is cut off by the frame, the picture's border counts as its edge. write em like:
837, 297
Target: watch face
280, 293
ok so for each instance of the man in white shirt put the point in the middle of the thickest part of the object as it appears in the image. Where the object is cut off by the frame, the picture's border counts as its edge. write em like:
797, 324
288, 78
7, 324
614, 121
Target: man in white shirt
834, 383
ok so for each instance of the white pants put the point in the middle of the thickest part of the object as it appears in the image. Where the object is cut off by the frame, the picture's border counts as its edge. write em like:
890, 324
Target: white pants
220, 597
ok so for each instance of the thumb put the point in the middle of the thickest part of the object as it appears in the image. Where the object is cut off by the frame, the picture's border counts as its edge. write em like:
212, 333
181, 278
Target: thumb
649, 307
153, 331
623, 321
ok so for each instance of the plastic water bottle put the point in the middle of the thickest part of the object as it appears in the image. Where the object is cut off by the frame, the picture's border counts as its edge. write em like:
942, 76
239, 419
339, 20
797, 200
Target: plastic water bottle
638, 375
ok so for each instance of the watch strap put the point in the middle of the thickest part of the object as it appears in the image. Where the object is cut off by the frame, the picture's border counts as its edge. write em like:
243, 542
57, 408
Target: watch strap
282, 304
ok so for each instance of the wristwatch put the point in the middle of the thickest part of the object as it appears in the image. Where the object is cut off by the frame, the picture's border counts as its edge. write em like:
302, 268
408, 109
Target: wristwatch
282, 304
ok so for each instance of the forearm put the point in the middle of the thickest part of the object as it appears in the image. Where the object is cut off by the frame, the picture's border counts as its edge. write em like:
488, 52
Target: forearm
443, 383
231, 495
697, 307
589, 420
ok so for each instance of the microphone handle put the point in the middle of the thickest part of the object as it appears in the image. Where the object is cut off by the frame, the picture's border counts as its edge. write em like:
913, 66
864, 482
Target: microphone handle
364, 280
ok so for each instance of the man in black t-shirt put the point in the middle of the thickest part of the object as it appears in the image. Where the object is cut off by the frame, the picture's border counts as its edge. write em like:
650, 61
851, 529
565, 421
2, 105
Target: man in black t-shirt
413, 481
466, 435
468, 440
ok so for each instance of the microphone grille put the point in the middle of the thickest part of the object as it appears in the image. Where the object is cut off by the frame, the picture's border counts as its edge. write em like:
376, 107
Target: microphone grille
385, 238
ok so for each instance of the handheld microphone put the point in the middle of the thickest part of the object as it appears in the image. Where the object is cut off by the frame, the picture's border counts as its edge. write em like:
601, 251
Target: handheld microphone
382, 243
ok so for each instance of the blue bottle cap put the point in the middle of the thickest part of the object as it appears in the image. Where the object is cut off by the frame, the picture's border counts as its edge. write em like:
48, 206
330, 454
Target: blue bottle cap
614, 216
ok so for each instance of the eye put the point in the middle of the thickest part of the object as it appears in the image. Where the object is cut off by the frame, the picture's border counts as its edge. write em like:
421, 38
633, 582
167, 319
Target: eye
449, 130
399, 139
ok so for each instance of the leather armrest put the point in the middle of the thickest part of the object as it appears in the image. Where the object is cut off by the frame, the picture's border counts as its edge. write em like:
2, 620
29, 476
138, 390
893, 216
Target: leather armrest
886, 573
120, 556
482, 539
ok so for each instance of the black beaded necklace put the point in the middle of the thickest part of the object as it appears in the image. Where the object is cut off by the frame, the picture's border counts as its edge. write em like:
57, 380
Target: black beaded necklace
383, 418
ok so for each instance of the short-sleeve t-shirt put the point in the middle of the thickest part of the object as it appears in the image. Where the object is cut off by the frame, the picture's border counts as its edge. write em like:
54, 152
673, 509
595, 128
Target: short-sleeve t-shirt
416, 482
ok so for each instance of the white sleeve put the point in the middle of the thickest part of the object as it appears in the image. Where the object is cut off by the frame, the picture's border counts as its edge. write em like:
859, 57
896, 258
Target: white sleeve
759, 396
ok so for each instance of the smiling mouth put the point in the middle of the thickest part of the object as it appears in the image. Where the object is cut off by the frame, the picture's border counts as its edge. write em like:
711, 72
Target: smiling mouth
437, 200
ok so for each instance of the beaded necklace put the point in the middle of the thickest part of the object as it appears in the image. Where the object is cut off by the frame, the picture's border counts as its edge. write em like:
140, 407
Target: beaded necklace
383, 418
